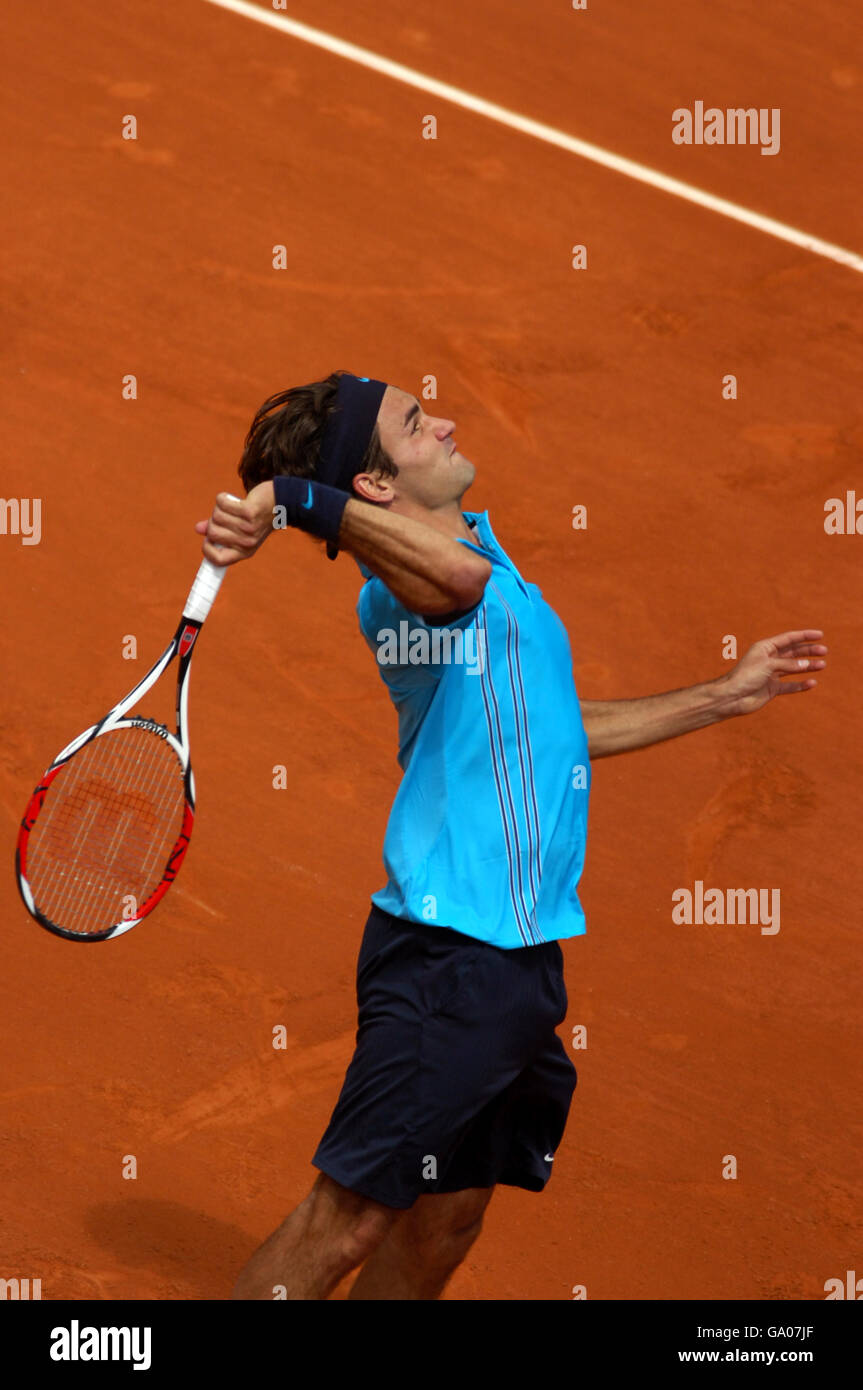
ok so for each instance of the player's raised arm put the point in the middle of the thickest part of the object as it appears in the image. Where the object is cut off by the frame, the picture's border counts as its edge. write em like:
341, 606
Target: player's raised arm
427, 571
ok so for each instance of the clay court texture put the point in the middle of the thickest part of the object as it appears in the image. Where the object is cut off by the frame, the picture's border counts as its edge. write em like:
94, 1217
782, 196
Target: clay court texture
598, 387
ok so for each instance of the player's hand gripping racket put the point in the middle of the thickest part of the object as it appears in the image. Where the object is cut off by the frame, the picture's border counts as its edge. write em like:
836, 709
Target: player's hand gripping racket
106, 830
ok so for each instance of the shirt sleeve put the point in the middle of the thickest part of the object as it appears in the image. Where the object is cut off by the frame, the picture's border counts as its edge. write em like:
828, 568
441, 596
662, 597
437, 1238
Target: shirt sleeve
389, 629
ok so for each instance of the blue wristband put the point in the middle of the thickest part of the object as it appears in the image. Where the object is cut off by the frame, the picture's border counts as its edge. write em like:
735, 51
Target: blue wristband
310, 506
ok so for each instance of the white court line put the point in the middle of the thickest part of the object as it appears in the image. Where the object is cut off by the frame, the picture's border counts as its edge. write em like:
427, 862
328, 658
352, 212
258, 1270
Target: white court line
595, 153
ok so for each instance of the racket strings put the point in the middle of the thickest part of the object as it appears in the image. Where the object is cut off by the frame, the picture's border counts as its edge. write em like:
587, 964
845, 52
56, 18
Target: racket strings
98, 849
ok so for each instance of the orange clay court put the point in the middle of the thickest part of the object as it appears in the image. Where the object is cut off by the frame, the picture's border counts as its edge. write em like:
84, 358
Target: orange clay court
600, 387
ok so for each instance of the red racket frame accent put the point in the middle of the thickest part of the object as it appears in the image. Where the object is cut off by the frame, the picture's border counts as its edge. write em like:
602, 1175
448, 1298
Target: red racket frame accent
34, 806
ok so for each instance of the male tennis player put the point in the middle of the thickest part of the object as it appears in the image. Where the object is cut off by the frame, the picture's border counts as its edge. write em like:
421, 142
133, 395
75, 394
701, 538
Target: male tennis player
459, 1080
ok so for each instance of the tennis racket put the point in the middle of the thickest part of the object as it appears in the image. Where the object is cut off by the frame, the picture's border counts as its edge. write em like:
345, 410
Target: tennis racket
108, 826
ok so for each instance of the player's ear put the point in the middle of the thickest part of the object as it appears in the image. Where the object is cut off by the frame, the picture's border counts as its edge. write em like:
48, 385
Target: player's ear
373, 487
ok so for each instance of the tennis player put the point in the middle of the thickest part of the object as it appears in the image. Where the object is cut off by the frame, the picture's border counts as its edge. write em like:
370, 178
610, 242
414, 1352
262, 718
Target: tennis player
459, 1080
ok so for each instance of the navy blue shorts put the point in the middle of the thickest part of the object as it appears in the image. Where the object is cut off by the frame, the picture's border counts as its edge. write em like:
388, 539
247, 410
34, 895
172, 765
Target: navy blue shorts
458, 1078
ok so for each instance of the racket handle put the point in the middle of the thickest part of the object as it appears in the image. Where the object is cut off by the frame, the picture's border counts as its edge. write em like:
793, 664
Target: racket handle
203, 591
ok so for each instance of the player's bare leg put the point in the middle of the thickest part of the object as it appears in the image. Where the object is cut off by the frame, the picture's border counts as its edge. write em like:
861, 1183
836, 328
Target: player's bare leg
423, 1247
327, 1236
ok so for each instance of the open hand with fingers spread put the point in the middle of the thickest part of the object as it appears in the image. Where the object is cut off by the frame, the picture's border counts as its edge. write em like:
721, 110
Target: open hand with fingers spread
238, 526
765, 669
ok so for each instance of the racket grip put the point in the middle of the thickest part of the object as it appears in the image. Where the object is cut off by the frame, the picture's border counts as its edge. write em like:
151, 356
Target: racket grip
203, 591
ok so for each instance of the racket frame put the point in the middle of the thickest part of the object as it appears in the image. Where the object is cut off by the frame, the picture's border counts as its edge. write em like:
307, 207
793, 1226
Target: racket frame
182, 645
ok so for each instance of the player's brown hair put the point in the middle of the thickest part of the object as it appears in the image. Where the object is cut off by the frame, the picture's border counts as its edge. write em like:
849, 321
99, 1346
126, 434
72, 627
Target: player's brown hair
287, 432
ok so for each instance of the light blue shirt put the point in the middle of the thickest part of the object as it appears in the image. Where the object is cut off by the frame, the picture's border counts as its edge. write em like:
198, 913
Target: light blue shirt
488, 828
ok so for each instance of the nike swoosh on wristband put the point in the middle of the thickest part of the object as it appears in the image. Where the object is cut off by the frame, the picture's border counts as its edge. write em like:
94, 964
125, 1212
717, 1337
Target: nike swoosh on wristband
309, 500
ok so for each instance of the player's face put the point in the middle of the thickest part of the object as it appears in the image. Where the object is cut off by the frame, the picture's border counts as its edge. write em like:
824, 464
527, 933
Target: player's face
432, 470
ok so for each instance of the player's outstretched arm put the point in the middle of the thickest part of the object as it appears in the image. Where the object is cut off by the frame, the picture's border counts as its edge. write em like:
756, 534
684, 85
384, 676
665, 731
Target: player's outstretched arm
619, 726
